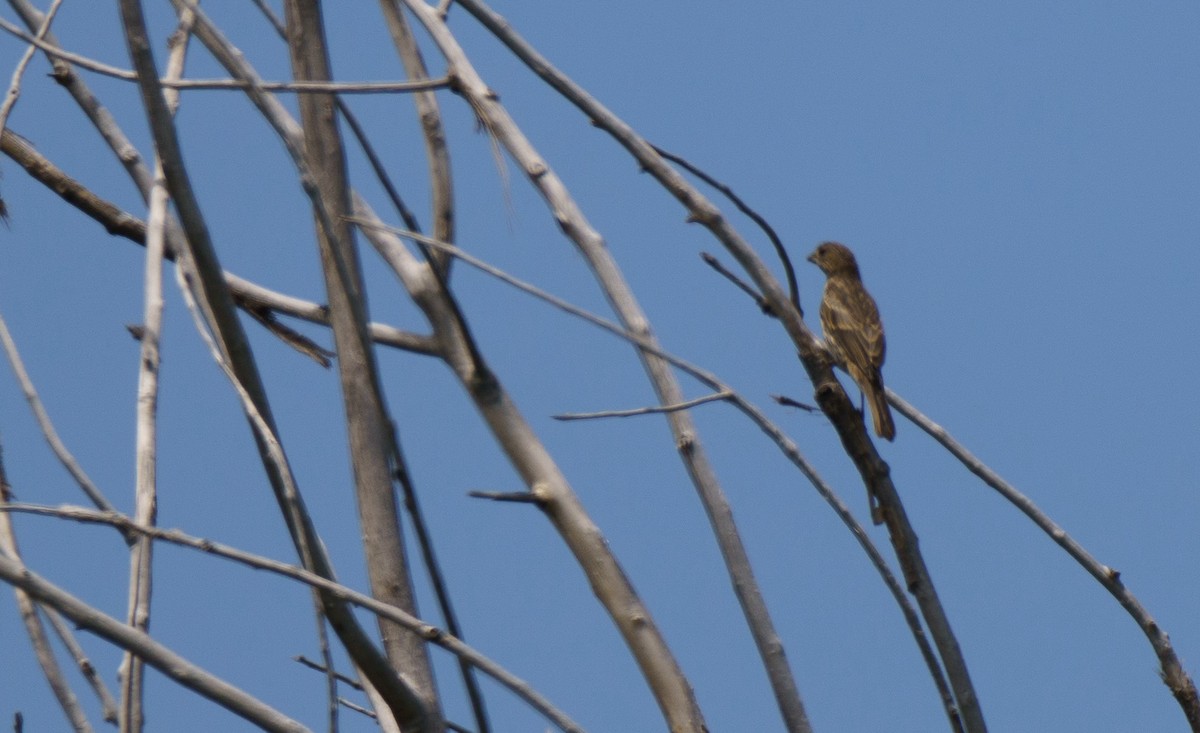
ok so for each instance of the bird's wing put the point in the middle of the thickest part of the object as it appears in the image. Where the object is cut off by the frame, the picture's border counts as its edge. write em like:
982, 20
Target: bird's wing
850, 320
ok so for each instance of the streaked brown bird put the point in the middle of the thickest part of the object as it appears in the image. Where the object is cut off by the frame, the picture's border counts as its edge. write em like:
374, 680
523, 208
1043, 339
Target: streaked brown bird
853, 331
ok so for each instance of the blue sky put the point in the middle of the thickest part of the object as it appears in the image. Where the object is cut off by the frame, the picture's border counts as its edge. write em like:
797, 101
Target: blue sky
1021, 183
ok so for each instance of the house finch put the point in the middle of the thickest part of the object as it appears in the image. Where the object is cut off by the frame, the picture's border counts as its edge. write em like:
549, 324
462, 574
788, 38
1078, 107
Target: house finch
853, 332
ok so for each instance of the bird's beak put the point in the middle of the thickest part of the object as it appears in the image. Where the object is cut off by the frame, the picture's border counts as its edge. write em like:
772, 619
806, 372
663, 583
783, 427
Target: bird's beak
812, 257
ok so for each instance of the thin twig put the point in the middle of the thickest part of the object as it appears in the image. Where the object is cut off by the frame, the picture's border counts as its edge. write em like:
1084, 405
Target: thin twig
732, 277
108, 704
14, 87
323, 669
290, 336
792, 402
649, 410
437, 153
437, 579
788, 270
275, 21
313, 87
483, 266
64, 74
299, 87
43, 419
378, 168
343, 702
333, 710
248, 295
440, 264
515, 497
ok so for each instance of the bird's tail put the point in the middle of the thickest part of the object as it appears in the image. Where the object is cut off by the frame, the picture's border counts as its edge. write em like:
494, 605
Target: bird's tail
881, 414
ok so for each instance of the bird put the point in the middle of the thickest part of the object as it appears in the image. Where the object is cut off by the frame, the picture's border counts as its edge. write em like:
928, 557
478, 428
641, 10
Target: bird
853, 332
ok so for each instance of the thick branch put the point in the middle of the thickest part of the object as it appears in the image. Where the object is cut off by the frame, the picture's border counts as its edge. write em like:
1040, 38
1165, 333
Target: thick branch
548, 487
366, 420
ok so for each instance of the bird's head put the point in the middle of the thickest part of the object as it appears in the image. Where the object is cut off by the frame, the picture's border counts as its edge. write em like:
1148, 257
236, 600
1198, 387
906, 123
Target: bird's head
834, 259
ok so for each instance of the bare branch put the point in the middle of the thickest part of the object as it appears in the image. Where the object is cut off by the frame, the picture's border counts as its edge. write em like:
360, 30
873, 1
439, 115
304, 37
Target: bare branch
436, 152
43, 419
443, 222
788, 270
309, 546
674, 695
298, 341
830, 395
313, 87
127, 154
131, 715
248, 295
438, 580
651, 410
200, 261
301, 659
356, 708
516, 497
298, 87
108, 705
781, 440
368, 426
430, 633
741, 284
791, 402
27, 607
1172, 671
160, 657
14, 87
52, 49
546, 482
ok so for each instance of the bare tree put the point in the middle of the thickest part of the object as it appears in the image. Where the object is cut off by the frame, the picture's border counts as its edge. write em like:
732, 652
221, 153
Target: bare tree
355, 197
